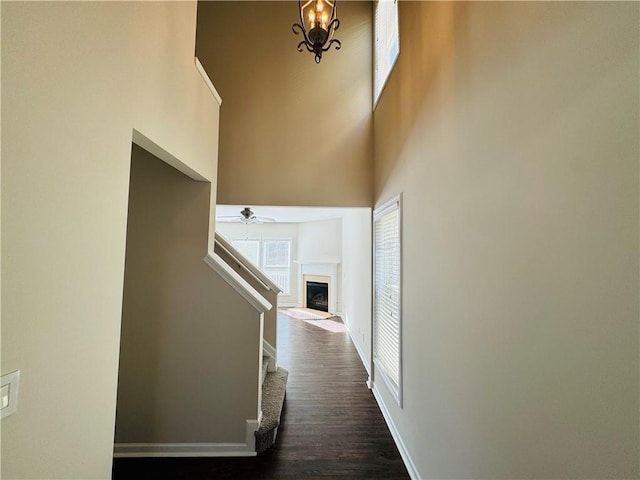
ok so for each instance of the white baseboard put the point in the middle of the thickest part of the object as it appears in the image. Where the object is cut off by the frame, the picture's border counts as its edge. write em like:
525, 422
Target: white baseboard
408, 462
247, 449
123, 450
288, 304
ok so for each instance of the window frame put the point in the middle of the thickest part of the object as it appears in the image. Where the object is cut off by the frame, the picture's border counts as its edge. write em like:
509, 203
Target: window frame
377, 93
394, 204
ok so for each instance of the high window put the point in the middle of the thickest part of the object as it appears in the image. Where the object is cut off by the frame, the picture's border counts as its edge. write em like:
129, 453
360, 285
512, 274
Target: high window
387, 43
387, 318
272, 256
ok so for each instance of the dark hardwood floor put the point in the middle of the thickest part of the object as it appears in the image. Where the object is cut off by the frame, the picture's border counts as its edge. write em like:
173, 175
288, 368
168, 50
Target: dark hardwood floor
331, 426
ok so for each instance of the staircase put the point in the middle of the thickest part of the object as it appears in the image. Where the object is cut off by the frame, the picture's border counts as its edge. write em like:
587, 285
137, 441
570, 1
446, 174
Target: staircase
273, 379
274, 385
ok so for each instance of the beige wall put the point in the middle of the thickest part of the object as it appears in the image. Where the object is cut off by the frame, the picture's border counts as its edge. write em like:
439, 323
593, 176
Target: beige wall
78, 77
182, 325
512, 131
270, 330
291, 132
321, 241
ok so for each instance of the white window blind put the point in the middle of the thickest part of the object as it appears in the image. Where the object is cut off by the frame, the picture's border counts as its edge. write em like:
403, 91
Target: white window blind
249, 248
272, 256
277, 262
276, 253
387, 43
387, 332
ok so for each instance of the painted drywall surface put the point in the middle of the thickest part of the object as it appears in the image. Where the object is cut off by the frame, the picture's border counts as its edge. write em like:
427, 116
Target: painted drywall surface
72, 76
180, 321
269, 231
270, 331
356, 279
291, 132
512, 131
321, 242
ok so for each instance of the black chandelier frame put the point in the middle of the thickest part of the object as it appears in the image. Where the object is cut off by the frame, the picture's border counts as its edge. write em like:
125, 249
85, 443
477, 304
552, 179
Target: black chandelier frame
318, 39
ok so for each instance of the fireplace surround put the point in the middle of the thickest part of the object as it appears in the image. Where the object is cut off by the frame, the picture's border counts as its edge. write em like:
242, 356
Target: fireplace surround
324, 273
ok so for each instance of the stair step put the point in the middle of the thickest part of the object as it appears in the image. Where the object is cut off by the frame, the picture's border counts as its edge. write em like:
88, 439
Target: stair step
273, 393
265, 366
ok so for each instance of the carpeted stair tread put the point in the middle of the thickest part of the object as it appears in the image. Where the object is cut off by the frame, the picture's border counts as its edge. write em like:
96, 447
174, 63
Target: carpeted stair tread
273, 393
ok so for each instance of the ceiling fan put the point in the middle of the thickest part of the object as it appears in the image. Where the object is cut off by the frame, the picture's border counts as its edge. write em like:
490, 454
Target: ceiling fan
246, 216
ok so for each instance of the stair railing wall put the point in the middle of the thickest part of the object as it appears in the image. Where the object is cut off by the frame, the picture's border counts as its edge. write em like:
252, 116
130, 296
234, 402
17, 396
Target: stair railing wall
258, 280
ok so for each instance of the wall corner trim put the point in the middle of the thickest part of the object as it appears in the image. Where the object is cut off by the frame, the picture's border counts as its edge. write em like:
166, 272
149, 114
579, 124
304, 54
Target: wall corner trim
208, 81
404, 453
229, 275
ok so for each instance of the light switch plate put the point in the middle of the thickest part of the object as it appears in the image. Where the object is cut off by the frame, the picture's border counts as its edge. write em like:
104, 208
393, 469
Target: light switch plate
4, 396
9, 393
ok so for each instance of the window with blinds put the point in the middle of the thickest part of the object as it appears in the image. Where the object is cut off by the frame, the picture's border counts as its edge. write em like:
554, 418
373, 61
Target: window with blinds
387, 43
250, 249
387, 322
272, 256
277, 262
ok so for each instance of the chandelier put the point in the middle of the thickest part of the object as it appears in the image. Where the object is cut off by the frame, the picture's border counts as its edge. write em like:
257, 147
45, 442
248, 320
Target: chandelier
318, 24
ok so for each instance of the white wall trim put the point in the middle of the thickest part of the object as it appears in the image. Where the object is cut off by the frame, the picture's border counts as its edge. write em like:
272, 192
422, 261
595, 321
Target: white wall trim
152, 147
272, 353
247, 449
289, 304
250, 435
239, 284
123, 450
404, 453
208, 81
248, 265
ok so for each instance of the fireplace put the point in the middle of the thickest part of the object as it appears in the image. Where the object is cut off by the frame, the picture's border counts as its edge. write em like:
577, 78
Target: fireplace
317, 296
320, 273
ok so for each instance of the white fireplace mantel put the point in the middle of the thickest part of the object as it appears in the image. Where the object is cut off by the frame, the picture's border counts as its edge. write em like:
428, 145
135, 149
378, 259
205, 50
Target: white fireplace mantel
322, 269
